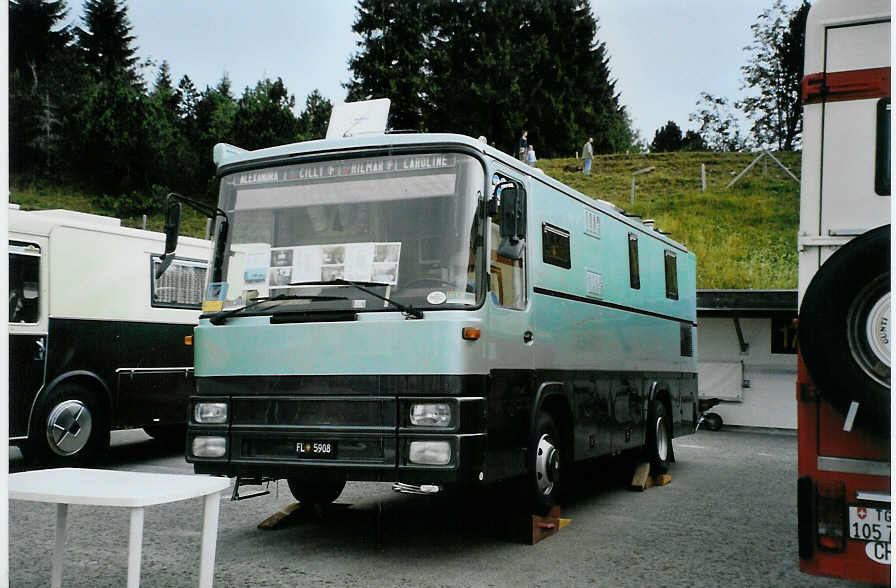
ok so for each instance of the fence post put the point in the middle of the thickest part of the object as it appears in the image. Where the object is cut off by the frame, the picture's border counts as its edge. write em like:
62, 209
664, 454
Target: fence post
703, 177
208, 228
144, 222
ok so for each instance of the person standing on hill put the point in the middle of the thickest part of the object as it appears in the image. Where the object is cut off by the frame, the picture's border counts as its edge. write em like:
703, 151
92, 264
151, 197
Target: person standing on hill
588, 155
524, 146
530, 155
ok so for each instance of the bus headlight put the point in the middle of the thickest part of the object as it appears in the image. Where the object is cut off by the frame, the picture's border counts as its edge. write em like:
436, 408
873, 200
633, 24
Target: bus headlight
431, 414
209, 446
430, 452
210, 412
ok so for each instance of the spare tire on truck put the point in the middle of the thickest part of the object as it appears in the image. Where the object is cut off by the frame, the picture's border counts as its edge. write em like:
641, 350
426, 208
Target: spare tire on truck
844, 330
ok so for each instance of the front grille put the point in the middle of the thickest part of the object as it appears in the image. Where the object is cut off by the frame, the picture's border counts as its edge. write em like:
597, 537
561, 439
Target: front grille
314, 412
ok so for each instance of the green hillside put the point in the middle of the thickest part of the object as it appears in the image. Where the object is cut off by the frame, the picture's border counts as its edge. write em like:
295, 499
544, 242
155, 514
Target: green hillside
744, 237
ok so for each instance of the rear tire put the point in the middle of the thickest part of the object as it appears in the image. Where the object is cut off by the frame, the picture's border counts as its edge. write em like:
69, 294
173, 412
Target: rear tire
659, 438
70, 427
844, 329
315, 492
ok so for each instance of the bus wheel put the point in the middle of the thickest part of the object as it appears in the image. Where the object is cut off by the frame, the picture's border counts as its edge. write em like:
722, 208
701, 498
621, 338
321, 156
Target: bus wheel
844, 329
315, 492
70, 427
713, 421
545, 464
170, 435
659, 438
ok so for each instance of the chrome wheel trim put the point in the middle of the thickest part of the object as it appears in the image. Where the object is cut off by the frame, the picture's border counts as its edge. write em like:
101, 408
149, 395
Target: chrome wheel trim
662, 440
868, 331
547, 465
68, 427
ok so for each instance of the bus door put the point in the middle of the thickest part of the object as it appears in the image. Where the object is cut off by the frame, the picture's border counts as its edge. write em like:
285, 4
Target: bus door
28, 325
510, 336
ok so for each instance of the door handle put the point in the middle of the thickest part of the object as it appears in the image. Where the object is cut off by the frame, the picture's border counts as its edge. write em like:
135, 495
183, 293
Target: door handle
528, 337
41, 350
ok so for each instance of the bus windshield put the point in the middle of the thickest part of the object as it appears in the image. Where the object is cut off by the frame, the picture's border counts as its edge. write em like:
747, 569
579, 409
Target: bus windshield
404, 226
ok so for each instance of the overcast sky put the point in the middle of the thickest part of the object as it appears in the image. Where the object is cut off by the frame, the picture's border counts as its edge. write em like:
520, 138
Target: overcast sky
663, 53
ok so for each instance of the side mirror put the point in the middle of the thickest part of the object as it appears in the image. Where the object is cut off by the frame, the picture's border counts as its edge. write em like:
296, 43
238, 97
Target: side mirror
512, 218
512, 213
172, 229
172, 226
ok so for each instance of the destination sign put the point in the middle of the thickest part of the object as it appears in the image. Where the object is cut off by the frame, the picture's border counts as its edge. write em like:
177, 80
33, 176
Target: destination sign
348, 168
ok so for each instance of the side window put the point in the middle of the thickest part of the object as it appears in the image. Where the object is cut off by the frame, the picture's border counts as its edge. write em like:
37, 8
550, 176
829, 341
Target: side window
671, 275
634, 269
507, 275
24, 283
882, 159
181, 285
555, 246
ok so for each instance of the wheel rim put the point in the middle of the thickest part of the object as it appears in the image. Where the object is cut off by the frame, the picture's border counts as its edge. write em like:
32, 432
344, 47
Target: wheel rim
68, 427
868, 331
662, 440
547, 465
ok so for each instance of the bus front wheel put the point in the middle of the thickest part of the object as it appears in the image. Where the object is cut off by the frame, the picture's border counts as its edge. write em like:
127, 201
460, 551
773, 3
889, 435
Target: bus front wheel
321, 492
69, 428
546, 463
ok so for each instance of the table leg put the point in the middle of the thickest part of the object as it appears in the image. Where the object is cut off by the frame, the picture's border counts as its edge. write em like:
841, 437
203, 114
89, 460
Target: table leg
209, 540
135, 547
59, 550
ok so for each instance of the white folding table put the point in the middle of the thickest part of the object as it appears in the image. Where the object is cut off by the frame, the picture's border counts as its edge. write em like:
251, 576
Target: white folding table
133, 490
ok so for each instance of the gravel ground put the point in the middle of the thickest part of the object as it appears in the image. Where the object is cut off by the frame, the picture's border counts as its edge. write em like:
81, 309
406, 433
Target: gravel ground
728, 518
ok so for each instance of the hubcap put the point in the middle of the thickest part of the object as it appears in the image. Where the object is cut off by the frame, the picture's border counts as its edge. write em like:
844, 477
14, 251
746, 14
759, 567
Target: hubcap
68, 427
868, 330
547, 465
662, 440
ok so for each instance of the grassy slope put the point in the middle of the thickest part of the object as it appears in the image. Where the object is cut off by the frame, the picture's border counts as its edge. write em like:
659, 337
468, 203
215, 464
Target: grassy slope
744, 237
39, 196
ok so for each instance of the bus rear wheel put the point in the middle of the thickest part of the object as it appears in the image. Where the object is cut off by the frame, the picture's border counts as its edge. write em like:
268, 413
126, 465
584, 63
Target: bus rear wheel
844, 329
659, 438
320, 492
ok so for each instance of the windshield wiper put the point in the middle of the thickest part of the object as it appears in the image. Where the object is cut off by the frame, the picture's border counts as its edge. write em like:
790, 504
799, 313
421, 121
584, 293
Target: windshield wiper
408, 311
220, 317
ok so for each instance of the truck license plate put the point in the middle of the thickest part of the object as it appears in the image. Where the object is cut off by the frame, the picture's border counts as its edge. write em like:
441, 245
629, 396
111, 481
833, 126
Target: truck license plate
316, 449
867, 523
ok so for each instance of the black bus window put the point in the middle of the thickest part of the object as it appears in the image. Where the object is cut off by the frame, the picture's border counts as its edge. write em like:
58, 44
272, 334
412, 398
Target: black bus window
671, 275
634, 269
24, 288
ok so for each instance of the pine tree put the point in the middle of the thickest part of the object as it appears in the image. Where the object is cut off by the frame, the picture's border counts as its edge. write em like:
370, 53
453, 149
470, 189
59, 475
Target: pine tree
667, 138
392, 62
491, 68
35, 37
314, 119
105, 41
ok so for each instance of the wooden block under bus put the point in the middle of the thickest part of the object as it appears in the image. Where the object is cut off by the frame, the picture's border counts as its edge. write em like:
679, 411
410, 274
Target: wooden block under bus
639, 479
662, 479
277, 519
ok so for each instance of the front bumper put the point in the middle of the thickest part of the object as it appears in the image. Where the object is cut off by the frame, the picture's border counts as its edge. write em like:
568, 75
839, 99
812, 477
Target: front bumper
370, 436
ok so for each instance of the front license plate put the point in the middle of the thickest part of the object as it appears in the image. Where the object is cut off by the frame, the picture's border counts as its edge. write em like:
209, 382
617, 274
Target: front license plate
867, 523
316, 449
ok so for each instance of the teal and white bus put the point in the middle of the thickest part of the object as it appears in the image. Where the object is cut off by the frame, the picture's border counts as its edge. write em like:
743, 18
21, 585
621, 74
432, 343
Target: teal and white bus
425, 309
